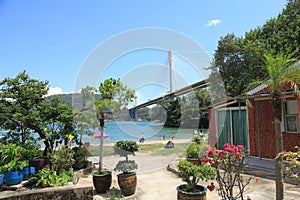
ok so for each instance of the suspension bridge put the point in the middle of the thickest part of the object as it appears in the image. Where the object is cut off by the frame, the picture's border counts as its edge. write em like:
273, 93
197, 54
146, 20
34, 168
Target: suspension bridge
197, 85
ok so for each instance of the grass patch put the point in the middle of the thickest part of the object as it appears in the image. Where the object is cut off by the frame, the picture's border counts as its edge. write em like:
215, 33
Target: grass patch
95, 150
158, 149
155, 149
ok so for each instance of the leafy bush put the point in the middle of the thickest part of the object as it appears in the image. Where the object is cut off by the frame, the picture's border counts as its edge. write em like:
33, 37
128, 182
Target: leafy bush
126, 166
192, 174
125, 147
12, 157
62, 159
293, 169
48, 178
79, 156
193, 150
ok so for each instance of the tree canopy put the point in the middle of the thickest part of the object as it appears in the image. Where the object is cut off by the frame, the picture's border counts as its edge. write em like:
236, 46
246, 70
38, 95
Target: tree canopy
240, 60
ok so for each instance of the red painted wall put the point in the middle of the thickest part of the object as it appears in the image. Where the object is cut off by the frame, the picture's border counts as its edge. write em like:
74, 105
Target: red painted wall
267, 132
212, 139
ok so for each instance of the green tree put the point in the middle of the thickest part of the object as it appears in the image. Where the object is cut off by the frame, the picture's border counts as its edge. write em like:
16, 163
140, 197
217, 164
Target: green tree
25, 109
85, 116
238, 59
21, 99
281, 71
204, 100
115, 96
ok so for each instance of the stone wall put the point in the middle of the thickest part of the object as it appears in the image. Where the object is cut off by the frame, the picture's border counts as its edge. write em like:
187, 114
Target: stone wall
76, 192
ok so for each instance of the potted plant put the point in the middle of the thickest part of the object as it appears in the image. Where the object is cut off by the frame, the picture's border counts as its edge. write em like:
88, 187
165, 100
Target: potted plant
102, 178
192, 174
192, 153
114, 96
229, 164
127, 179
13, 163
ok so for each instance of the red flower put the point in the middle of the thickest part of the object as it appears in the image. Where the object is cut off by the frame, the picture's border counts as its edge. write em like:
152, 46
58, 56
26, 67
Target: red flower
256, 179
211, 187
240, 147
204, 159
209, 160
221, 153
18, 155
211, 152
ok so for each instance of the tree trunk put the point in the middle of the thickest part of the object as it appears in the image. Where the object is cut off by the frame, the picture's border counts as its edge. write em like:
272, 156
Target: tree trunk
277, 111
278, 163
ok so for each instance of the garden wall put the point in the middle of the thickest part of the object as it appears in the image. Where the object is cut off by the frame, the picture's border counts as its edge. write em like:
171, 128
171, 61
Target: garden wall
58, 193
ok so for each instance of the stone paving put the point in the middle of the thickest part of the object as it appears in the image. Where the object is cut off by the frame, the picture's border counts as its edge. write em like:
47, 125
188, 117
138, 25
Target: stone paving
157, 180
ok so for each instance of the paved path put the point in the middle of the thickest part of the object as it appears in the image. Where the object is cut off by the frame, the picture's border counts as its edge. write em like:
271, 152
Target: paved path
156, 182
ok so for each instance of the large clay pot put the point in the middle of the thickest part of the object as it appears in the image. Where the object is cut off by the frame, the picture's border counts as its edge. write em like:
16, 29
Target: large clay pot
102, 182
127, 183
200, 194
13, 178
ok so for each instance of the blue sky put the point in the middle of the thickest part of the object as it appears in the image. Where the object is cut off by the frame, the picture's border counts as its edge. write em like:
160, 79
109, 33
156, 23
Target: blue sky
51, 39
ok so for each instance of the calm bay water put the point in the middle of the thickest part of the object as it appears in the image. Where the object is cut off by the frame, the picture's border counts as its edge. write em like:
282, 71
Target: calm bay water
132, 130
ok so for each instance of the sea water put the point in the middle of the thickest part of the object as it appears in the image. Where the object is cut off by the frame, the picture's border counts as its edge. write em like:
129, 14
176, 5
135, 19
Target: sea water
133, 130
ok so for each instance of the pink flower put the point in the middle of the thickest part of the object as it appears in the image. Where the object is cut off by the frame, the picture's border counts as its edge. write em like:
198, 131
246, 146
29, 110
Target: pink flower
226, 145
256, 179
240, 147
211, 152
221, 153
209, 160
204, 160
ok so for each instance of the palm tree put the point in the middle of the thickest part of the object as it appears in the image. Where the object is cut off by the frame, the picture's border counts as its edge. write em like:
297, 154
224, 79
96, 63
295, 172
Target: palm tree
282, 71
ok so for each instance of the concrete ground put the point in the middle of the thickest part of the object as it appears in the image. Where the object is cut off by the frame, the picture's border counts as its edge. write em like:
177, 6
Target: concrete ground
155, 181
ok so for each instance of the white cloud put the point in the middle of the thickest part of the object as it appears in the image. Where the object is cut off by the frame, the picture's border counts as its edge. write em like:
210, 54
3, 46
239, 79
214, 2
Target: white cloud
213, 22
54, 90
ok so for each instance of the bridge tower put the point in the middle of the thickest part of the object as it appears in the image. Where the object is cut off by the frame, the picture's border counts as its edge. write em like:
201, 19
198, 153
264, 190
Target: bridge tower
170, 68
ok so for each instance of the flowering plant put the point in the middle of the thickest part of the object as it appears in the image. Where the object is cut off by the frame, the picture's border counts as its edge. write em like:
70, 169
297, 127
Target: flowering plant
292, 170
192, 174
229, 164
12, 157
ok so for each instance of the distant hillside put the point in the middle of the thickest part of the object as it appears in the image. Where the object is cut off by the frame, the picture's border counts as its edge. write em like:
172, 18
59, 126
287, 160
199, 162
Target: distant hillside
73, 100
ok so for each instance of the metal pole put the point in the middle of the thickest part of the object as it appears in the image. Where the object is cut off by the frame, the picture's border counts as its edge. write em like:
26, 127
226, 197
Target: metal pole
170, 66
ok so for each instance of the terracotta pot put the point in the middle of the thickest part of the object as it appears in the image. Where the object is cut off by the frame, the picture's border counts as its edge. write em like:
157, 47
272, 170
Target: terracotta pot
127, 183
200, 194
102, 182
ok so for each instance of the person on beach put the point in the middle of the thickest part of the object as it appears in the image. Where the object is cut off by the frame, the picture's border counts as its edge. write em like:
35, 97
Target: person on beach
173, 137
201, 133
142, 138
